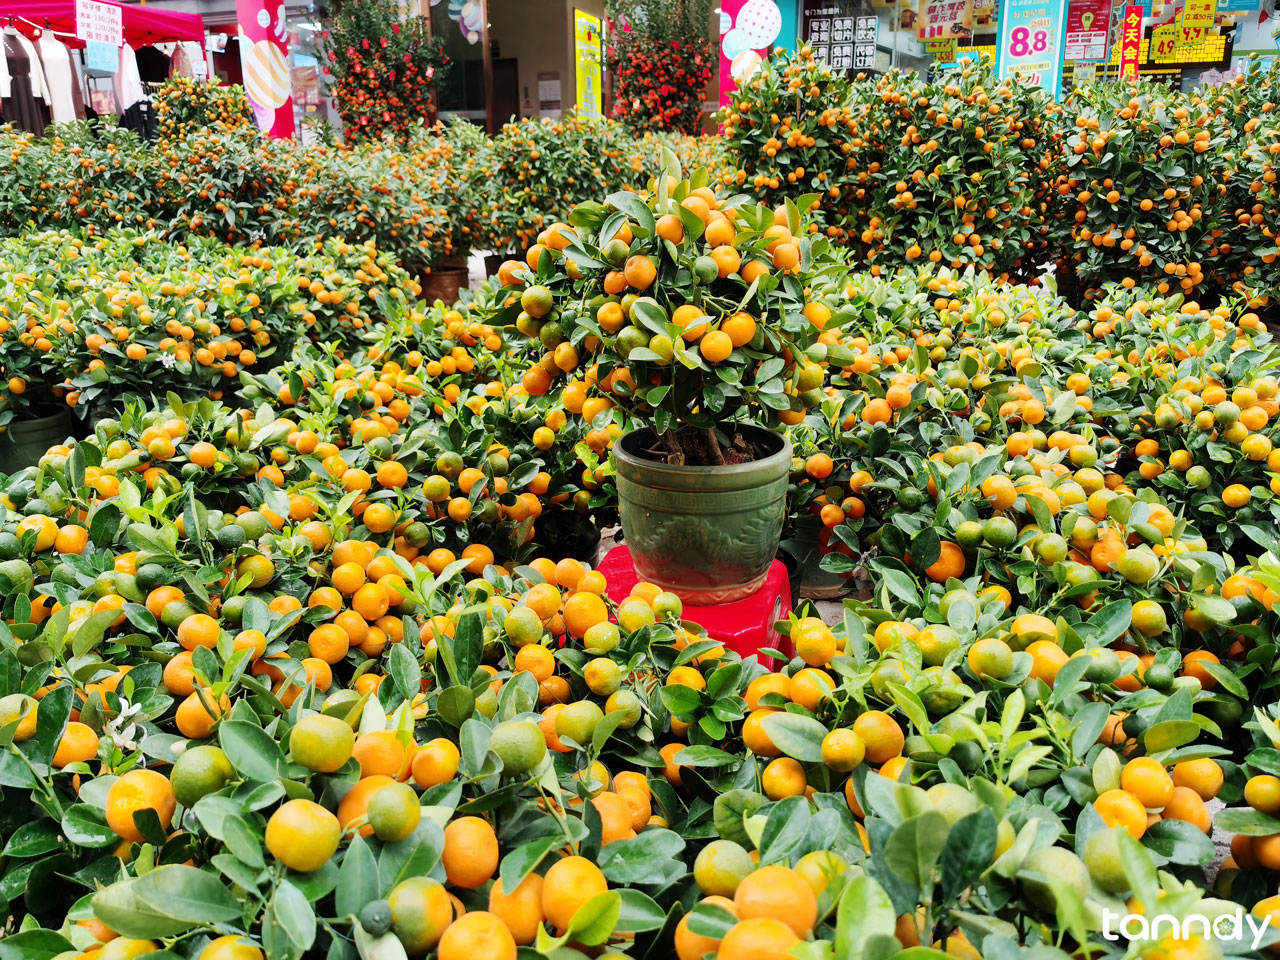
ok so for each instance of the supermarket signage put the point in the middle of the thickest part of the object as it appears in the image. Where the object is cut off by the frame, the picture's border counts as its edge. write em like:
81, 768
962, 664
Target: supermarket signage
1199, 13
1130, 42
1178, 46
1086, 34
1029, 43
100, 22
942, 19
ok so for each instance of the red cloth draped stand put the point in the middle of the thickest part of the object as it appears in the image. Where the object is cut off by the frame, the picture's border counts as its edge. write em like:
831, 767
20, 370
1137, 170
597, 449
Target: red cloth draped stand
142, 25
745, 626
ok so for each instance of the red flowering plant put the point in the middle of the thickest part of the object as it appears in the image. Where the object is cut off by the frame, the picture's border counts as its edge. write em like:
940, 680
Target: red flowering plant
661, 58
383, 66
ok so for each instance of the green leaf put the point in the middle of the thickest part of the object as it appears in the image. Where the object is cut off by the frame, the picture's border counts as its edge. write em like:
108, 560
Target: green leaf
1229, 681
252, 751
596, 919
522, 861
1111, 621
639, 913
32, 839
414, 856
796, 735
292, 912
969, 850
1252, 823
703, 756
456, 704
405, 671
149, 912
34, 945
639, 859
51, 721
864, 911
1179, 842
86, 826
913, 848
1169, 734
104, 525
357, 878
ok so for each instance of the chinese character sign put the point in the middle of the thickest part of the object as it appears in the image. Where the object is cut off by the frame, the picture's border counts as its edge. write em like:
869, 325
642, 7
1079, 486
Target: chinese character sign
99, 22
1029, 43
1199, 13
264, 55
1130, 42
940, 19
748, 28
866, 33
587, 46
1086, 35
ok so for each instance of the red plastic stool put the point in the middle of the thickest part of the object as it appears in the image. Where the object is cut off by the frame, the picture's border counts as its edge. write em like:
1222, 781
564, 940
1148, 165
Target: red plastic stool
744, 626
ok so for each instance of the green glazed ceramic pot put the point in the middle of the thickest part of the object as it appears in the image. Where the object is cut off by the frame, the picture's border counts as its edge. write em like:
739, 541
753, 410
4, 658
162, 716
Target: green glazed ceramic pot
708, 534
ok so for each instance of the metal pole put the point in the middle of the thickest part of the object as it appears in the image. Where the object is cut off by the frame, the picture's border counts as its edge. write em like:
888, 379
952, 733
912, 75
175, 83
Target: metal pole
489, 107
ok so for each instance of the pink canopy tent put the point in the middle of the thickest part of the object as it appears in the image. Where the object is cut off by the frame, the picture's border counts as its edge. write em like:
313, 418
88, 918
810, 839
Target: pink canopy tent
142, 25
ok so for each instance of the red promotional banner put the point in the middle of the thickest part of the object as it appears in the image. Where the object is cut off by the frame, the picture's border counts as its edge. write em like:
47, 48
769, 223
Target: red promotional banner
264, 55
1130, 42
1086, 34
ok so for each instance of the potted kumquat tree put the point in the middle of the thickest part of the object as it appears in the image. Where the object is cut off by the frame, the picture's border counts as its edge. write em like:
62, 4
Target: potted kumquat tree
681, 315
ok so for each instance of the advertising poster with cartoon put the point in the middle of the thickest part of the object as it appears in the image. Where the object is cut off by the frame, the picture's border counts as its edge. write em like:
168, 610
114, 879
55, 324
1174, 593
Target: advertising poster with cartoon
748, 28
264, 55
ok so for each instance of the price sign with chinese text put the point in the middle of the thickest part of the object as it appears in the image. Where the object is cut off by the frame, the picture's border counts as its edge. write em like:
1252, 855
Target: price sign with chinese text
1199, 13
1030, 43
101, 22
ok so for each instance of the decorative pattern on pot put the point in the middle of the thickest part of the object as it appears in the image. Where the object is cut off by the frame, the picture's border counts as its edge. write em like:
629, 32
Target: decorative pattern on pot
708, 534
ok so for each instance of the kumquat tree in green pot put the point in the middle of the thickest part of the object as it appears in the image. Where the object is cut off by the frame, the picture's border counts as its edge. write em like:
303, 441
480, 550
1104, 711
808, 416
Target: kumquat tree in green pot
685, 317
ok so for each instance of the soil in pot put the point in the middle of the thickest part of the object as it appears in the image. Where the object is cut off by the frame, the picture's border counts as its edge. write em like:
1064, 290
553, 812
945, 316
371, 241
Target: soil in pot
690, 447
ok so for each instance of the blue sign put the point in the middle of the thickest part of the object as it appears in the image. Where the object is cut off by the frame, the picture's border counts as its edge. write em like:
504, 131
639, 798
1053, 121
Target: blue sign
1029, 42
101, 57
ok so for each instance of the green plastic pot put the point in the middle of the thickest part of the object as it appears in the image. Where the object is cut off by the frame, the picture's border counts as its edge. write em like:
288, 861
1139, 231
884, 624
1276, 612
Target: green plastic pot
708, 534
26, 441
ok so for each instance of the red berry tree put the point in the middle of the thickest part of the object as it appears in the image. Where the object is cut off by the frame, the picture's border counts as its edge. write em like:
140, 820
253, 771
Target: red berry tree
383, 66
661, 57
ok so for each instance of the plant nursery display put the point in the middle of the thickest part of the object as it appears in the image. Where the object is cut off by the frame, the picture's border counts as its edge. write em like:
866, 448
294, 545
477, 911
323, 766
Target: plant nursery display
309, 648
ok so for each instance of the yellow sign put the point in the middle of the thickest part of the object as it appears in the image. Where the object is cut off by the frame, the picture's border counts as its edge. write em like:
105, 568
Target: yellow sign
943, 51
1199, 13
588, 46
1164, 42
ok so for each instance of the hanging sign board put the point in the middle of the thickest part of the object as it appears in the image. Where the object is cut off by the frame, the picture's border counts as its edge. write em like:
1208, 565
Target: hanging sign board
940, 19
1199, 13
1086, 35
1130, 42
1029, 43
101, 58
587, 44
99, 21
